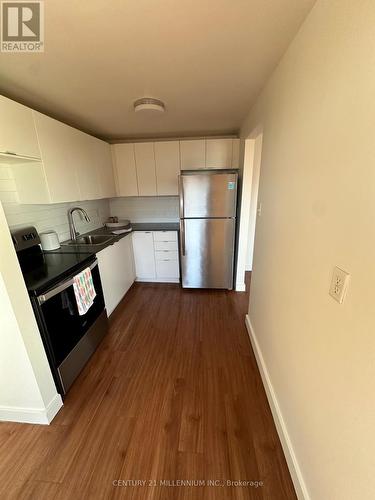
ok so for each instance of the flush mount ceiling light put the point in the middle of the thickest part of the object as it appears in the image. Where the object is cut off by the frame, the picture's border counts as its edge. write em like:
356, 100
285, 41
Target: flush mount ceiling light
149, 104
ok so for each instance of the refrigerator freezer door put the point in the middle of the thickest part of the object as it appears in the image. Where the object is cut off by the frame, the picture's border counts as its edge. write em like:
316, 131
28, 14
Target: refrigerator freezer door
208, 194
207, 253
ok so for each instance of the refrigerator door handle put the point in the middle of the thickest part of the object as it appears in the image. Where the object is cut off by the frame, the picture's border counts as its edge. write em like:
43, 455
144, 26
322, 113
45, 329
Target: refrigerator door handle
182, 236
181, 196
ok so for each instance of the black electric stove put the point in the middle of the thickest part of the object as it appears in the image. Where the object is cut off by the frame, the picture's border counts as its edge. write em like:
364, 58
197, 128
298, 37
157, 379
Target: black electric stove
69, 338
42, 270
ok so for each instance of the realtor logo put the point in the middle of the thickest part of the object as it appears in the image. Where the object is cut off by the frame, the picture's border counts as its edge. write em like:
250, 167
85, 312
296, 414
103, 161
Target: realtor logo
22, 26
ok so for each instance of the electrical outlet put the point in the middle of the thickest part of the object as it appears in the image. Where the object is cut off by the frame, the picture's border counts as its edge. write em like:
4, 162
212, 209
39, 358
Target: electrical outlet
259, 209
339, 284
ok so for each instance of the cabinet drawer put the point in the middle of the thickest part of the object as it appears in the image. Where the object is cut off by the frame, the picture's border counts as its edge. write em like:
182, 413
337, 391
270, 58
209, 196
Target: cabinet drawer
167, 269
166, 255
165, 235
166, 245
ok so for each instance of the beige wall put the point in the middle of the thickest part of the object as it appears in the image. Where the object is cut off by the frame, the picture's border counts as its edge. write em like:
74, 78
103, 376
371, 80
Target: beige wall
317, 190
18, 387
27, 389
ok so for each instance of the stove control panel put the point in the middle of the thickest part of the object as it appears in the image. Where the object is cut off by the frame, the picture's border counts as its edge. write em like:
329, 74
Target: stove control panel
25, 238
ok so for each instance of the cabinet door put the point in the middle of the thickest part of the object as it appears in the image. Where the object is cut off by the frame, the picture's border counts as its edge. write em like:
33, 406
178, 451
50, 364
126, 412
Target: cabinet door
144, 258
56, 139
82, 151
193, 154
145, 163
108, 276
125, 171
127, 260
167, 161
105, 169
17, 129
219, 153
116, 271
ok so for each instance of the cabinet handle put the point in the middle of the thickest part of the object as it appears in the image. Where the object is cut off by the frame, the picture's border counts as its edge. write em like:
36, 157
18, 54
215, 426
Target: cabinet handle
182, 236
181, 194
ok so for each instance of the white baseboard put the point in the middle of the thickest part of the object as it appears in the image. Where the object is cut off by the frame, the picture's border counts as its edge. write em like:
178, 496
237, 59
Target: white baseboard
32, 415
240, 287
53, 408
155, 280
294, 469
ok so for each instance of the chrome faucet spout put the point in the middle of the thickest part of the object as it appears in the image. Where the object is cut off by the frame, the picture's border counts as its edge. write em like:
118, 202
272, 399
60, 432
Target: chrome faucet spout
72, 228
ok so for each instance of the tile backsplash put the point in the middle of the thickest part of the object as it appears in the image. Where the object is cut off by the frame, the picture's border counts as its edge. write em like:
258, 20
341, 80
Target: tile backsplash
45, 217
54, 216
146, 208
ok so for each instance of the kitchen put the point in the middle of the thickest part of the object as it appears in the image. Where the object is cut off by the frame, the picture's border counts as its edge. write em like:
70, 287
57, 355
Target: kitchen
181, 266
124, 251
113, 217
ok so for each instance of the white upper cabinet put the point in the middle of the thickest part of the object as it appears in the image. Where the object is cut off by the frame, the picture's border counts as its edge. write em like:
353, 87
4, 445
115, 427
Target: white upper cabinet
152, 168
125, 171
93, 163
193, 154
219, 153
167, 160
74, 166
103, 161
17, 130
236, 154
84, 160
58, 144
145, 164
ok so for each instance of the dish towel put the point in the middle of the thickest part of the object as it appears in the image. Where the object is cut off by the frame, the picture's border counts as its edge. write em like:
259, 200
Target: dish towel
84, 291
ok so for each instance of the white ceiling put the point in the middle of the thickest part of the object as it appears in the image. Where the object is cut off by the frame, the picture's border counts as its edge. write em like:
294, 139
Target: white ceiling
206, 59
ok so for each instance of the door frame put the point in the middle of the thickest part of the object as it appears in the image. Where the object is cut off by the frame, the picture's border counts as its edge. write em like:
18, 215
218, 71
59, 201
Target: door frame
249, 205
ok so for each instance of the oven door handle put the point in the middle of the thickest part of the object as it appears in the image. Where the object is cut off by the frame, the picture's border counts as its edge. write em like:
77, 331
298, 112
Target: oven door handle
60, 288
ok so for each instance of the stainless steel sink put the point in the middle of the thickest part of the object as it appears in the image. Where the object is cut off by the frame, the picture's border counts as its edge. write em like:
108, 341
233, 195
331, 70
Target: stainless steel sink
93, 239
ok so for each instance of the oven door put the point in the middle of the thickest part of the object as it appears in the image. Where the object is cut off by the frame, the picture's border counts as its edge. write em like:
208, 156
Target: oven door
72, 338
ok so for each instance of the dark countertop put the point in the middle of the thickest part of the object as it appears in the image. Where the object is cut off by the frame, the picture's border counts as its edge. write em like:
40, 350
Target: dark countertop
49, 267
93, 249
155, 226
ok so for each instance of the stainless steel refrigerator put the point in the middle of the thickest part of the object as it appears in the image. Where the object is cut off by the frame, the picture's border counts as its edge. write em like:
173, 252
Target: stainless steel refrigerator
207, 228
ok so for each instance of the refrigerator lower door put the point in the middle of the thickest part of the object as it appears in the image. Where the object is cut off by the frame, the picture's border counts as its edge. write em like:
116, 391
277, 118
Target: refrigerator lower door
206, 249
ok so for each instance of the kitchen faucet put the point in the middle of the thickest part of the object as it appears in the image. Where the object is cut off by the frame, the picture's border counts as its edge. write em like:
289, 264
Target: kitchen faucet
72, 228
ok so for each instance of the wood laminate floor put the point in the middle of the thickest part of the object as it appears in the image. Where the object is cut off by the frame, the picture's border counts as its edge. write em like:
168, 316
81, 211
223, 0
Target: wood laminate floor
172, 394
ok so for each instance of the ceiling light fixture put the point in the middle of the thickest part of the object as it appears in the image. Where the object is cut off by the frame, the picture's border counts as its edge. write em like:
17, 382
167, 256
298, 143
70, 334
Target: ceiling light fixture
149, 104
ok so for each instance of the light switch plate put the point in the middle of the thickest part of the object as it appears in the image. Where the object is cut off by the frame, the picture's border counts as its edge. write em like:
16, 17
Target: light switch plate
339, 284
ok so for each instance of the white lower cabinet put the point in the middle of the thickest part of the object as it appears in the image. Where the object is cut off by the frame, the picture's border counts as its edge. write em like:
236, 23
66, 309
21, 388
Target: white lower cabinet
156, 256
116, 266
167, 269
143, 245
